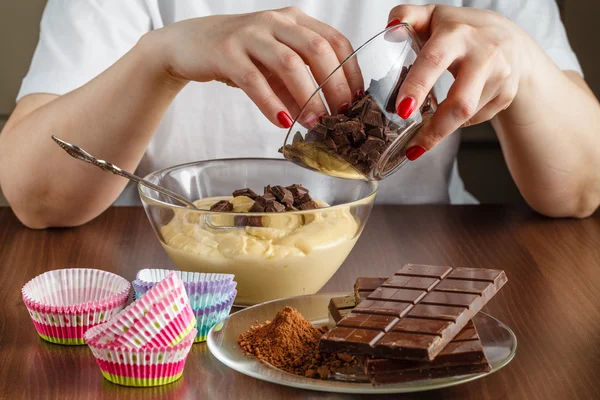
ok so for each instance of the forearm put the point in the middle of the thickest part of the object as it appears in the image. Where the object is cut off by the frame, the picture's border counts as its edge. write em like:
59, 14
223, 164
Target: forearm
113, 116
551, 143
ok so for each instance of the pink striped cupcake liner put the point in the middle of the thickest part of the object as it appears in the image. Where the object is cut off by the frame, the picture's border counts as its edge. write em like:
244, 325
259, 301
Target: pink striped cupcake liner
164, 324
211, 295
162, 316
65, 303
140, 367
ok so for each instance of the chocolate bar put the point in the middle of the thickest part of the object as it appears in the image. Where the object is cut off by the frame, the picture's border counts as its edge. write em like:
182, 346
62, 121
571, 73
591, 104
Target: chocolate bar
463, 355
415, 313
363, 287
340, 306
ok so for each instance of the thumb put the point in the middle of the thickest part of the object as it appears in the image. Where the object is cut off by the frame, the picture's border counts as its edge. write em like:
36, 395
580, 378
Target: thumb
418, 17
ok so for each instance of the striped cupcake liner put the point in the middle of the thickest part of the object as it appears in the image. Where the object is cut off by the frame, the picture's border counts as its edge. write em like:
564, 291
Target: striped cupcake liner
204, 290
65, 303
141, 367
151, 319
208, 317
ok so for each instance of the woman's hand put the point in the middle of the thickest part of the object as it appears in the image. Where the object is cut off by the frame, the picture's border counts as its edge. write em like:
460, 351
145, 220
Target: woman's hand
265, 54
488, 55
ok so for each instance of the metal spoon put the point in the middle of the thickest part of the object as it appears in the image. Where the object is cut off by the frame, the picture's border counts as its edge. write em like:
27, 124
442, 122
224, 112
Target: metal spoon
79, 153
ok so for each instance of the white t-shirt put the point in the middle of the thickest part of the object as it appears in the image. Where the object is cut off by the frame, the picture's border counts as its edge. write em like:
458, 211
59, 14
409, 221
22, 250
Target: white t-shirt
80, 39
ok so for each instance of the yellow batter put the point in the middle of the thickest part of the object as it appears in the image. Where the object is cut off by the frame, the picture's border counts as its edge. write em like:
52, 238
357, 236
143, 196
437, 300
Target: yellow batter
291, 254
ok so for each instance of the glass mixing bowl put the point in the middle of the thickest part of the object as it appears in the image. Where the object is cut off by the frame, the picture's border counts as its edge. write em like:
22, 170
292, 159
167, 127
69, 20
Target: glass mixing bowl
288, 254
368, 140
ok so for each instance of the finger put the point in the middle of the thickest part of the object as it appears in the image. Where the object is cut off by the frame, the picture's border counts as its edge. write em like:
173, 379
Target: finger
501, 102
284, 95
245, 75
320, 56
460, 106
291, 69
341, 46
441, 51
419, 17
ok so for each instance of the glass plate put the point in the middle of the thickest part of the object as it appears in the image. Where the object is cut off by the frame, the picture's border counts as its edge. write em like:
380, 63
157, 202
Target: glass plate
499, 343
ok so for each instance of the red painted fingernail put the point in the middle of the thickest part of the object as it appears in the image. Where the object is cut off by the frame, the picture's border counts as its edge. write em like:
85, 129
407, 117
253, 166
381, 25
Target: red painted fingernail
358, 93
406, 107
414, 152
284, 119
344, 108
393, 22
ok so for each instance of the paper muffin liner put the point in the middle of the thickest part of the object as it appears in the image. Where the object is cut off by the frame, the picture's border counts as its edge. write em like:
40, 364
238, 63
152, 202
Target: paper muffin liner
166, 323
65, 303
208, 317
203, 289
141, 367
168, 298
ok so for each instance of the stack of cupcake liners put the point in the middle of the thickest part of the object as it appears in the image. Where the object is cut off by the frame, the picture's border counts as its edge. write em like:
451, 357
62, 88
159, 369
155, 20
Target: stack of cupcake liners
141, 367
65, 303
147, 343
211, 296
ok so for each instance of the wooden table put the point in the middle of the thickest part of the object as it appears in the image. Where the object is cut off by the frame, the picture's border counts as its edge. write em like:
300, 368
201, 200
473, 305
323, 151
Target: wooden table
552, 300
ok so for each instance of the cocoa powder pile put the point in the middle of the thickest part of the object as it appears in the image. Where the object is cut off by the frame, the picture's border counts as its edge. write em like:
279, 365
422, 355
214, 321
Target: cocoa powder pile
290, 342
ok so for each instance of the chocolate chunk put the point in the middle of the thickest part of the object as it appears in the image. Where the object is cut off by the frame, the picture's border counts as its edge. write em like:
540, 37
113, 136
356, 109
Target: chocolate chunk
358, 136
275, 206
376, 131
257, 207
341, 118
245, 192
319, 128
315, 137
298, 191
265, 199
283, 195
329, 121
222, 205
267, 189
344, 150
297, 139
243, 220
372, 143
309, 205
373, 118
290, 208
350, 126
329, 143
341, 140
391, 103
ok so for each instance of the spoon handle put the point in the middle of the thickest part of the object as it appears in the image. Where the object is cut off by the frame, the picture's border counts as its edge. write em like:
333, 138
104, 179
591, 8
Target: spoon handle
80, 154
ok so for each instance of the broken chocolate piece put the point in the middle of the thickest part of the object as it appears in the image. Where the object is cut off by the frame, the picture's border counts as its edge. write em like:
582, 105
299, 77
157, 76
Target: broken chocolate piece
373, 118
372, 143
267, 189
275, 206
309, 205
376, 132
283, 195
223, 206
329, 121
297, 138
315, 137
245, 192
359, 136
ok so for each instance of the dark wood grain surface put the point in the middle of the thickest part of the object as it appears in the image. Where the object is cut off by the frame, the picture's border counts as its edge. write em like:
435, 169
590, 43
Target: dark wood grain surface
552, 300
